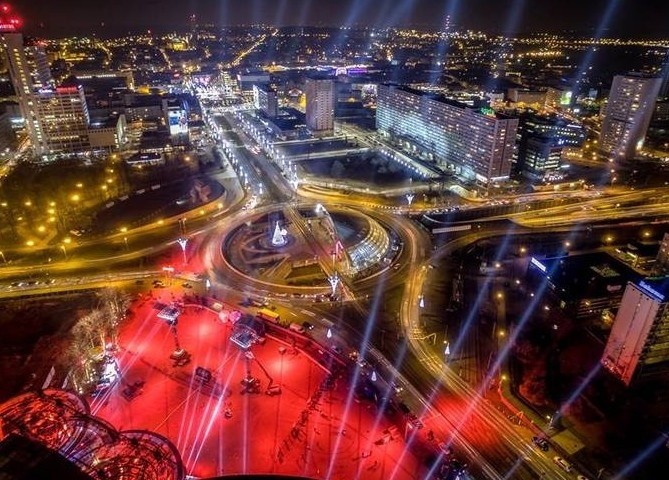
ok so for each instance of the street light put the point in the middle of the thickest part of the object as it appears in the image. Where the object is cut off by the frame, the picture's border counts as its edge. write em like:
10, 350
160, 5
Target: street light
183, 242
64, 249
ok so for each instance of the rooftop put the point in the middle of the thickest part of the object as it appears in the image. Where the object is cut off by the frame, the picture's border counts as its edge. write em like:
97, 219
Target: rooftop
483, 110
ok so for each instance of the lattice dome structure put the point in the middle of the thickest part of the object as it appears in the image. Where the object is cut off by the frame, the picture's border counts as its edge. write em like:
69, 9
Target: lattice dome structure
61, 420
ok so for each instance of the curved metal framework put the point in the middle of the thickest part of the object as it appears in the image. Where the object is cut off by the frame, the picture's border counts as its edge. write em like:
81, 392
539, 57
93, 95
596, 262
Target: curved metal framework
61, 420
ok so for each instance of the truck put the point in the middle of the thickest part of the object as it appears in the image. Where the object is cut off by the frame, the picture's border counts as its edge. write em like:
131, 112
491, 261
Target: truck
269, 315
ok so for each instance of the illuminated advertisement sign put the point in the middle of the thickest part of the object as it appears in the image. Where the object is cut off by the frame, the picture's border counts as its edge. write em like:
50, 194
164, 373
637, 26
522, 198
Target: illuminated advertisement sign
178, 122
538, 264
644, 286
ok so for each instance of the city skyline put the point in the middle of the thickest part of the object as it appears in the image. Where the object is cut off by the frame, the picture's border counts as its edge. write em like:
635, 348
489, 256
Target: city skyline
509, 17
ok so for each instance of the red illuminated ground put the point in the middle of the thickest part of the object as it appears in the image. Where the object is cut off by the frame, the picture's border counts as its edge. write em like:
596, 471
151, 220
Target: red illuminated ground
258, 438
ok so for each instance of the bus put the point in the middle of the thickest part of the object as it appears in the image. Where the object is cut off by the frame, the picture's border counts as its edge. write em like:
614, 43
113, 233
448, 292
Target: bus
269, 315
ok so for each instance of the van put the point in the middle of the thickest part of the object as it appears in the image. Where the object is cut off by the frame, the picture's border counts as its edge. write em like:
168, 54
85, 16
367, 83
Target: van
296, 327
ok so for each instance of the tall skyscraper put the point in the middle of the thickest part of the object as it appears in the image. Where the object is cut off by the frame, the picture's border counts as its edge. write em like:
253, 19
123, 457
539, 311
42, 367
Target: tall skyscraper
38, 63
627, 114
19, 72
476, 143
29, 72
320, 96
639, 338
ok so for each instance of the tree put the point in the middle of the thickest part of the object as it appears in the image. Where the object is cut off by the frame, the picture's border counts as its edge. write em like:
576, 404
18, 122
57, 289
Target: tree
112, 305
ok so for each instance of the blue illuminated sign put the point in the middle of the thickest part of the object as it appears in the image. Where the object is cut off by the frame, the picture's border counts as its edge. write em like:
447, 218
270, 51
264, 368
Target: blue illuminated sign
651, 290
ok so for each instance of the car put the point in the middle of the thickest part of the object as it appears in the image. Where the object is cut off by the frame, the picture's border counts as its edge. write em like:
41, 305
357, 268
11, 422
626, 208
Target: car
337, 349
581, 477
562, 463
540, 442
186, 285
308, 326
139, 282
296, 328
158, 284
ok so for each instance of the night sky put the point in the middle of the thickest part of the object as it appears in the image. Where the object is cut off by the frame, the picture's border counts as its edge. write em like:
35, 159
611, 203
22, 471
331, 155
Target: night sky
649, 18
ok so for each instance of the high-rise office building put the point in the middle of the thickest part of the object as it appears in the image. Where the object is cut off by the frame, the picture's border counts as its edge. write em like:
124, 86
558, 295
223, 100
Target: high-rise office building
265, 100
38, 64
564, 132
627, 114
476, 143
639, 338
539, 157
320, 96
64, 119
18, 65
33, 84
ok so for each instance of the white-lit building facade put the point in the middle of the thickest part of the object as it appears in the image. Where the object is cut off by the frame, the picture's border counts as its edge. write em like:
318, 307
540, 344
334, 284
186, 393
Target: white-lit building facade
476, 143
63, 116
320, 97
639, 338
265, 100
25, 80
627, 114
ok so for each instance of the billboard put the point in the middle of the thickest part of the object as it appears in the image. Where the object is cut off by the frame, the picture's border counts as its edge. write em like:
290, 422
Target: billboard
178, 122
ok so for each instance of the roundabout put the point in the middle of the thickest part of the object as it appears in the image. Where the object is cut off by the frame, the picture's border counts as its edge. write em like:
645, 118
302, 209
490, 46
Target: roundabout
301, 249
